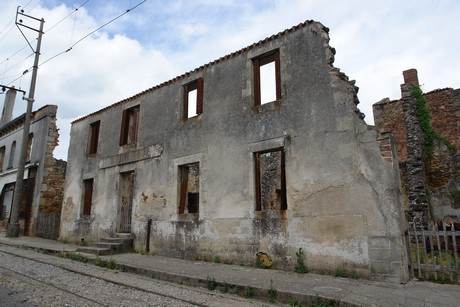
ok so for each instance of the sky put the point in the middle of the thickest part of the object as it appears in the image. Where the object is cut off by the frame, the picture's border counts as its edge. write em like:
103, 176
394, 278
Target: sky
158, 40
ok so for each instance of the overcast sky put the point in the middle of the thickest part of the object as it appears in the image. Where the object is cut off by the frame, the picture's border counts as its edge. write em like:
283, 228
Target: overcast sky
374, 40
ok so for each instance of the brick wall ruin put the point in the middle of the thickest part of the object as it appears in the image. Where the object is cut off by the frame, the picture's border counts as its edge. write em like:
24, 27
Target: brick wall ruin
430, 183
52, 189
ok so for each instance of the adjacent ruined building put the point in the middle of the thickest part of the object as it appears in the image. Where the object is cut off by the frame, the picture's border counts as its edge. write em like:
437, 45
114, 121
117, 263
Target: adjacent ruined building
40, 207
263, 150
429, 163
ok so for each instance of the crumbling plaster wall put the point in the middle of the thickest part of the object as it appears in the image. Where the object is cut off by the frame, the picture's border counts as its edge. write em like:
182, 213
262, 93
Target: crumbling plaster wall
343, 201
49, 175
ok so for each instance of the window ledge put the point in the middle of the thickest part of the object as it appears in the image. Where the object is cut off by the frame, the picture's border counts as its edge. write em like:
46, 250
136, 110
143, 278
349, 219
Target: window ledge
192, 119
274, 214
188, 217
269, 106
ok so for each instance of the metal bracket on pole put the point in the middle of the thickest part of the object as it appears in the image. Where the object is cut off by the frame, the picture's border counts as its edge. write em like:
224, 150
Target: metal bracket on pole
4, 88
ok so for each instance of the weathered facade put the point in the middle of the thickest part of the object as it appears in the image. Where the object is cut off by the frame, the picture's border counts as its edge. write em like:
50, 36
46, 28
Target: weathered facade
222, 162
43, 189
431, 182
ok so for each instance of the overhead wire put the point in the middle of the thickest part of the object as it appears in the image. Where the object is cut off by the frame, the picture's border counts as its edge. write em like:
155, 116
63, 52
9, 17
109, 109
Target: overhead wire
10, 22
78, 41
92, 32
6, 61
70, 14
25, 46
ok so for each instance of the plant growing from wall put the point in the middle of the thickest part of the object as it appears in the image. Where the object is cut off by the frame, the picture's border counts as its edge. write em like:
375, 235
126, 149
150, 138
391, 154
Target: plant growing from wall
423, 116
456, 197
248, 292
300, 266
225, 287
211, 283
293, 302
272, 292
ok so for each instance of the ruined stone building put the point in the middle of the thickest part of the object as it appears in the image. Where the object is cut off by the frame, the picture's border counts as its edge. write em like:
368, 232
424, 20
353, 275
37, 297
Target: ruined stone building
261, 150
429, 161
44, 175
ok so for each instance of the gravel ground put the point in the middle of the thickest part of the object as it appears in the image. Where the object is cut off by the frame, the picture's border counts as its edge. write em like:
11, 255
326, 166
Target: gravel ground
28, 278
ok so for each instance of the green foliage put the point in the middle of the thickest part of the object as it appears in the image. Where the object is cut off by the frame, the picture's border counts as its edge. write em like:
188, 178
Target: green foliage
225, 287
293, 302
443, 280
211, 283
423, 115
216, 259
248, 292
110, 264
76, 257
354, 274
300, 266
99, 262
456, 197
340, 272
272, 292
319, 302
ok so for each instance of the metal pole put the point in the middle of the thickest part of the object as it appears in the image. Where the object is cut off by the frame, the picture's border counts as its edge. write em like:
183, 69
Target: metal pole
13, 226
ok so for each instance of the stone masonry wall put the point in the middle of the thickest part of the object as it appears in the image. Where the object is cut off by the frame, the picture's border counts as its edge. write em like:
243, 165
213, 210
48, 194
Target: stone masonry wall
444, 106
389, 117
417, 191
438, 174
52, 189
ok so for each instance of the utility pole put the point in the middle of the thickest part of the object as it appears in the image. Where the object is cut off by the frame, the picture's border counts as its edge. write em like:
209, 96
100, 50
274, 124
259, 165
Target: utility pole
13, 226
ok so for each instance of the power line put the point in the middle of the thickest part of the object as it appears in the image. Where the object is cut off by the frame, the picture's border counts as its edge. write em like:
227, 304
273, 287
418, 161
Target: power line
18, 63
70, 14
92, 32
11, 21
51, 28
78, 41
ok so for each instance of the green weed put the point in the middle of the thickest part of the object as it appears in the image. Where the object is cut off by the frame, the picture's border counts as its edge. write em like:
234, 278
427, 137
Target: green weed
225, 287
211, 283
300, 266
248, 292
272, 292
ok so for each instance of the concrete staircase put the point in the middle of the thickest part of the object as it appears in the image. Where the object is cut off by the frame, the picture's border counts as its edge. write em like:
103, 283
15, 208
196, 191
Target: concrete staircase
122, 243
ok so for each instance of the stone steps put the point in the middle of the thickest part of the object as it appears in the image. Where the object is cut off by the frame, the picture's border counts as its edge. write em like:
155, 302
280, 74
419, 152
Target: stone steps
108, 246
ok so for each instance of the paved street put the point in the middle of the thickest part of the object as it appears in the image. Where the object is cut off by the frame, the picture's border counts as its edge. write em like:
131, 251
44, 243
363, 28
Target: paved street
28, 278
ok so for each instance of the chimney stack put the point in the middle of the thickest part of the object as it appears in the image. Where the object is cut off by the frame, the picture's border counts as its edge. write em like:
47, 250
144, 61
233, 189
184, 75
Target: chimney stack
8, 107
410, 77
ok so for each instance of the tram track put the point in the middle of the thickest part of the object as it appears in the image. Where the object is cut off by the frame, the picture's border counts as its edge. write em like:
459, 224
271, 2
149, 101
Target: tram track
34, 260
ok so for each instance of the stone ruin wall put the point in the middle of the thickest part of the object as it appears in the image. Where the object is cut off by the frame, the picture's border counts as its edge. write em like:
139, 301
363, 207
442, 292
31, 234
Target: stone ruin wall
52, 189
433, 182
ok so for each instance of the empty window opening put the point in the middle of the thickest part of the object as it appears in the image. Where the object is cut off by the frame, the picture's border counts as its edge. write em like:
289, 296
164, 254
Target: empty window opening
6, 199
193, 98
93, 137
12, 154
87, 196
189, 198
29, 146
2, 157
270, 180
267, 80
267, 83
129, 126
